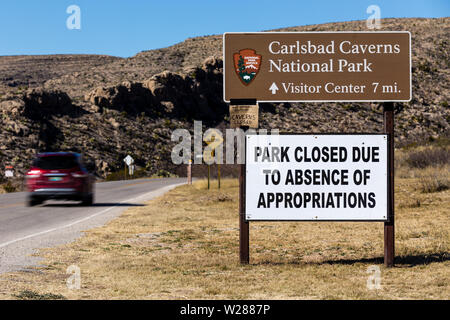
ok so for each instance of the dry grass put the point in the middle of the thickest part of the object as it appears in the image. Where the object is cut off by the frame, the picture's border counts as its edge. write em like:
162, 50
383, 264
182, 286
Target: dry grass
184, 245
434, 179
429, 164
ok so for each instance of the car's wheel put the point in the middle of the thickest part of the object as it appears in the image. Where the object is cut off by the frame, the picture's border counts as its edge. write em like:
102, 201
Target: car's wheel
31, 202
88, 200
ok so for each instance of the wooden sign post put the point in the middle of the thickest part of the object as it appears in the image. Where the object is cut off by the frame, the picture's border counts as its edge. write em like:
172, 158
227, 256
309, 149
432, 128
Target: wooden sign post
244, 227
389, 230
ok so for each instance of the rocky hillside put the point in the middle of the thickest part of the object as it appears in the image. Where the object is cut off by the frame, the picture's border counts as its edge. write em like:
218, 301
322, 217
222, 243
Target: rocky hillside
107, 107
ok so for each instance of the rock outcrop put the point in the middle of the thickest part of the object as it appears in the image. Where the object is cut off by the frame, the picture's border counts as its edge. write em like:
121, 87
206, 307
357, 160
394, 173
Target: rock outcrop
194, 94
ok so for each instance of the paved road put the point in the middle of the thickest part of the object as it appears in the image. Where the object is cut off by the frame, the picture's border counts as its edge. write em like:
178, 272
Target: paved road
23, 229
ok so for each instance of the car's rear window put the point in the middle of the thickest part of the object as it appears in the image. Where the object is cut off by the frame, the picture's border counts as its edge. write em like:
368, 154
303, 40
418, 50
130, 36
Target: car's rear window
55, 162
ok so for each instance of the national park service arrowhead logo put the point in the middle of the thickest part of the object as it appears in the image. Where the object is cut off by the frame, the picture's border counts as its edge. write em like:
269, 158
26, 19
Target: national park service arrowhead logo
247, 64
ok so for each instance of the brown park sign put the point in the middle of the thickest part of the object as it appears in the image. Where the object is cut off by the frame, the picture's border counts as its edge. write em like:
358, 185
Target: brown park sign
317, 66
244, 116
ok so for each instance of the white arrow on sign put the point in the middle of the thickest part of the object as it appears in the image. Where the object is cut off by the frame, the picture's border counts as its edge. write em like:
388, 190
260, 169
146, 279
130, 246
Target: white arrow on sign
273, 88
128, 160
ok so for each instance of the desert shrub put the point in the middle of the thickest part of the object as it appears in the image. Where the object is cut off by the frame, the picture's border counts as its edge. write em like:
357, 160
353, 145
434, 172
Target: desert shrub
425, 66
434, 179
163, 174
114, 176
410, 203
31, 295
120, 175
8, 187
428, 157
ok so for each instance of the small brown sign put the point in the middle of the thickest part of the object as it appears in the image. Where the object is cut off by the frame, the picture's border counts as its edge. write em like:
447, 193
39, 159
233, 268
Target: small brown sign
317, 66
244, 116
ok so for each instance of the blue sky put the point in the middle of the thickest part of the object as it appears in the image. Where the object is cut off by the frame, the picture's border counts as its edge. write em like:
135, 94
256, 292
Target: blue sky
123, 28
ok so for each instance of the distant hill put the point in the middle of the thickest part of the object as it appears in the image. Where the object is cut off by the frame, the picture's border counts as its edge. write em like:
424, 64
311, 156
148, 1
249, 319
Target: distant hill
108, 106
75, 74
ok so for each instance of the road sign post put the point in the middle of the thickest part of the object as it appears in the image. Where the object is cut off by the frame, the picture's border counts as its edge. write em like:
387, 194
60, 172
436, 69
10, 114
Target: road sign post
389, 226
218, 175
244, 226
189, 172
209, 176
128, 162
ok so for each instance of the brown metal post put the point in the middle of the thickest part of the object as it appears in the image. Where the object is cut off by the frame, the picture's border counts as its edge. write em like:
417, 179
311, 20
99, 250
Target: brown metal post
218, 175
209, 174
189, 172
244, 230
389, 230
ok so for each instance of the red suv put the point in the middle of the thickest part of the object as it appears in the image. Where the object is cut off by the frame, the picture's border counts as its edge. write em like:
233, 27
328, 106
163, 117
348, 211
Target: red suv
59, 175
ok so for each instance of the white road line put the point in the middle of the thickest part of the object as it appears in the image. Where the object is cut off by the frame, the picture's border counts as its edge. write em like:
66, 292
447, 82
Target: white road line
163, 190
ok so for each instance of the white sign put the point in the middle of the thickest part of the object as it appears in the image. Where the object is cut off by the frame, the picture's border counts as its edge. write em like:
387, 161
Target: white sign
316, 177
128, 160
9, 173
